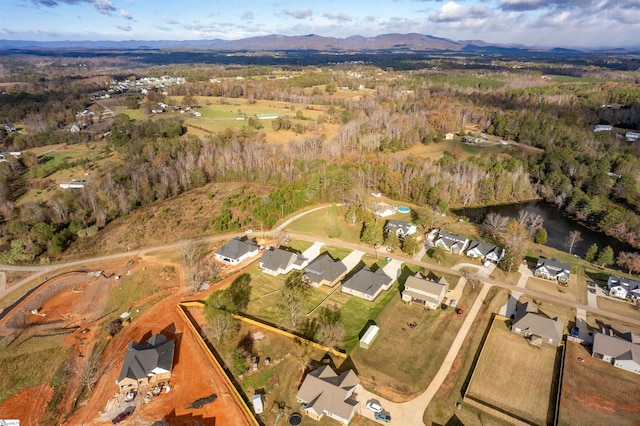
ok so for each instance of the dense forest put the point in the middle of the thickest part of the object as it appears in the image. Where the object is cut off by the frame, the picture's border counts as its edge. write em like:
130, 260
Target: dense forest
591, 176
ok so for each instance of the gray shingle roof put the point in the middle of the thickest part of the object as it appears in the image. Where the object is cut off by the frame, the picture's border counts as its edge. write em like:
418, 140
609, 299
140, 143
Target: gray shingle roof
449, 239
553, 265
526, 318
615, 347
323, 390
278, 258
626, 283
367, 282
421, 288
325, 268
236, 248
142, 358
484, 248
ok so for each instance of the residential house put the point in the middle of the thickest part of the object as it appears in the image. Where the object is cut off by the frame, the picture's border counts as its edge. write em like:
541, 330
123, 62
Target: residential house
623, 288
325, 393
236, 251
603, 128
147, 363
551, 269
453, 243
537, 328
276, 261
324, 271
424, 291
621, 352
367, 284
401, 228
485, 252
383, 209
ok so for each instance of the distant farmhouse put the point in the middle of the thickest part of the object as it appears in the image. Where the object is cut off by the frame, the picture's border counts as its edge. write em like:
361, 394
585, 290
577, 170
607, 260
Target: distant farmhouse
537, 328
277, 261
147, 363
451, 242
632, 136
401, 228
367, 284
236, 251
622, 352
324, 271
485, 252
325, 393
551, 269
623, 288
423, 291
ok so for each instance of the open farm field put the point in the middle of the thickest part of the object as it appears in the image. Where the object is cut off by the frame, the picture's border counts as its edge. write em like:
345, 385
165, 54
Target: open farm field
514, 377
596, 393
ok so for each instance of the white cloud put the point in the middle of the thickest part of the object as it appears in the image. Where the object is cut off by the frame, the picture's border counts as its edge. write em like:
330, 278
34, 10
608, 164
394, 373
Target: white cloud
126, 15
338, 16
299, 14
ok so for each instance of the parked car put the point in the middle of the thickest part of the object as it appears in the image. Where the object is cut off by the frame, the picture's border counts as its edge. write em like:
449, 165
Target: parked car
126, 413
453, 303
130, 396
383, 417
575, 332
374, 406
459, 312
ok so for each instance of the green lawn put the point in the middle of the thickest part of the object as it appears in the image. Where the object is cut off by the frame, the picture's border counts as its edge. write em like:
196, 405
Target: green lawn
17, 363
132, 288
515, 376
402, 361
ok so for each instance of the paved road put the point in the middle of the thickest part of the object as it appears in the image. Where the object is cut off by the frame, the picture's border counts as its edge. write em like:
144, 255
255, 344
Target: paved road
410, 413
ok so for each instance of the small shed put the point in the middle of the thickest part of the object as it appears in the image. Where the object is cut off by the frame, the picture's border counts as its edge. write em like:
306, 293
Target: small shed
369, 336
258, 407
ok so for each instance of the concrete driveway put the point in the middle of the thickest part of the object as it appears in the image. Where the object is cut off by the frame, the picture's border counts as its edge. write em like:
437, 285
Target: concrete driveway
410, 413
581, 323
592, 298
313, 251
393, 269
509, 308
352, 259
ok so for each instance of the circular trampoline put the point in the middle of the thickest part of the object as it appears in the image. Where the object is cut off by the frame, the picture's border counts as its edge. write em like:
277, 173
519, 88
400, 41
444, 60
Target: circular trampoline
295, 419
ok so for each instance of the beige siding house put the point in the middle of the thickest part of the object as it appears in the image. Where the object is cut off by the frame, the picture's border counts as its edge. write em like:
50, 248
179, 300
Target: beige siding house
325, 393
423, 291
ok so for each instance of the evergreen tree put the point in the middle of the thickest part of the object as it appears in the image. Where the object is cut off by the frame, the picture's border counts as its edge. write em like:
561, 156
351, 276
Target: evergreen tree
591, 253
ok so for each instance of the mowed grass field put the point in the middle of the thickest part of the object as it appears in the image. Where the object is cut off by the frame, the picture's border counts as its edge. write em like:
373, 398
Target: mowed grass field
515, 376
402, 361
219, 113
596, 393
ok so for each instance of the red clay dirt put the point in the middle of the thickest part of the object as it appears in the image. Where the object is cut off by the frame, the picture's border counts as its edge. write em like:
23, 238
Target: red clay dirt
27, 405
79, 304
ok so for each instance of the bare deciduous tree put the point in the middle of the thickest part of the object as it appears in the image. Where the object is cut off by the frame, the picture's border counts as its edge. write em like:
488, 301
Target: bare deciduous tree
291, 301
572, 239
495, 223
531, 221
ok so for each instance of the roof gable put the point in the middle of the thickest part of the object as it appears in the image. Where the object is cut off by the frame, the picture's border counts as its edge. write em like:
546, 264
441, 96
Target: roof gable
147, 358
236, 248
277, 258
325, 268
367, 282
527, 318
325, 391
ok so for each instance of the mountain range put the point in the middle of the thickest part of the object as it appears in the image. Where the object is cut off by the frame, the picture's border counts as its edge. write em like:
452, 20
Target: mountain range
384, 42
312, 42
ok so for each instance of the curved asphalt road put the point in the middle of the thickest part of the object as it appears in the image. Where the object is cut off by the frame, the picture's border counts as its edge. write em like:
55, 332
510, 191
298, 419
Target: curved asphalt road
407, 413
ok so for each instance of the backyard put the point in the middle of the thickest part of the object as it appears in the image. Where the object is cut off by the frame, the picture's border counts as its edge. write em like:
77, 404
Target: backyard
403, 359
613, 401
519, 381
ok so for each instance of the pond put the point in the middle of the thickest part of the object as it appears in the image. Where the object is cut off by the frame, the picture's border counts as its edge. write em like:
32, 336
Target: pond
557, 225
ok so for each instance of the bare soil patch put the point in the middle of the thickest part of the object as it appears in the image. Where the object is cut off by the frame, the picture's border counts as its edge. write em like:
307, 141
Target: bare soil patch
613, 401
28, 405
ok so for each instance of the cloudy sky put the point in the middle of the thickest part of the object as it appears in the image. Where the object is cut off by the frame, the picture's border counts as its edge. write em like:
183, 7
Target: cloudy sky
545, 23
